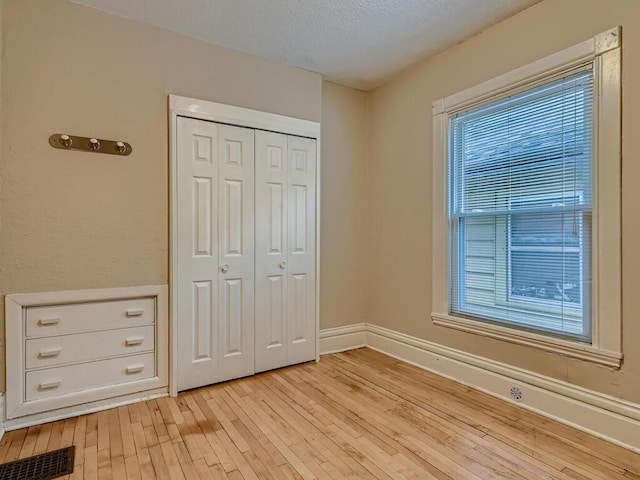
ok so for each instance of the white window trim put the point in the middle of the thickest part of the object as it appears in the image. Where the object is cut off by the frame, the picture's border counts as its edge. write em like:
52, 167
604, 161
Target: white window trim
604, 51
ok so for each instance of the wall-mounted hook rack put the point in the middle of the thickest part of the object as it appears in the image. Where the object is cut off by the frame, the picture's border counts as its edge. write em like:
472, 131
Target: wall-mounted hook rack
87, 144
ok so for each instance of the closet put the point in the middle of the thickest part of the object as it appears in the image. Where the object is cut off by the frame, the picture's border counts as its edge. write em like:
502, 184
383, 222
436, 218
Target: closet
244, 278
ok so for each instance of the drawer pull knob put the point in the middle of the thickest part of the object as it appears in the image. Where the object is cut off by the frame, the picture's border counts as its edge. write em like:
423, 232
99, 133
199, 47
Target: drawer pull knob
48, 384
135, 312
50, 352
134, 341
43, 322
135, 368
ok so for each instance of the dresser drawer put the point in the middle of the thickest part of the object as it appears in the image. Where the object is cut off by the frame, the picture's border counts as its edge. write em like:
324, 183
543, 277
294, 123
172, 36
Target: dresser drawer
53, 382
86, 317
83, 347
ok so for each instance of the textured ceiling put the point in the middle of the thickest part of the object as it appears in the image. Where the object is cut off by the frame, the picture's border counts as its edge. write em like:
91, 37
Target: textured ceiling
359, 43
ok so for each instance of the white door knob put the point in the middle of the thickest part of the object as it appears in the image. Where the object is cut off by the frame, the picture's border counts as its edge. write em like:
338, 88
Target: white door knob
224, 268
282, 265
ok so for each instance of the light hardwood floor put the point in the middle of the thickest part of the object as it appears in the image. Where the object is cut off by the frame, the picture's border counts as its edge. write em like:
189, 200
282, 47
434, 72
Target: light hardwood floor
357, 414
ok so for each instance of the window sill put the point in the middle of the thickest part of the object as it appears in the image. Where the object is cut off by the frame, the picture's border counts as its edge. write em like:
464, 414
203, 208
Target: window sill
566, 348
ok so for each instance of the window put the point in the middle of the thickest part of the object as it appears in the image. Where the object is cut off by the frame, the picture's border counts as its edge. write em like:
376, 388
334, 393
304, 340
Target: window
526, 205
519, 232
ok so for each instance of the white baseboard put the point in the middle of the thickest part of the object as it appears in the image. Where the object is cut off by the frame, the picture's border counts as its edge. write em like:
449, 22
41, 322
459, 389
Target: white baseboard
339, 339
604, 416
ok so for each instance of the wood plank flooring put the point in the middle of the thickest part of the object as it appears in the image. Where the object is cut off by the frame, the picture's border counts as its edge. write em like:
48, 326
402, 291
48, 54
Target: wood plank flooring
357, 414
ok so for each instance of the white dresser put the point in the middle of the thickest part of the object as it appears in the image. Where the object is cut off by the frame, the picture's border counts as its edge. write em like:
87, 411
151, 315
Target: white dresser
78, 351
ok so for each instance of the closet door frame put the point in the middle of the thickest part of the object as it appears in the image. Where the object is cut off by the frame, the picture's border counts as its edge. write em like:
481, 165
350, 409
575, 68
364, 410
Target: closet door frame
242, 117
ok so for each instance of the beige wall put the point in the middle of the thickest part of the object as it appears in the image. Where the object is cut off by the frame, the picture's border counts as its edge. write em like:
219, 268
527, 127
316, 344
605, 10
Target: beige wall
400, 171
344, 206
73, 220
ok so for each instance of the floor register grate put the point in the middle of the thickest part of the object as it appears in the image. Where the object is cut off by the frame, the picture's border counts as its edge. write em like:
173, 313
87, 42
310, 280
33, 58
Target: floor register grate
40, 467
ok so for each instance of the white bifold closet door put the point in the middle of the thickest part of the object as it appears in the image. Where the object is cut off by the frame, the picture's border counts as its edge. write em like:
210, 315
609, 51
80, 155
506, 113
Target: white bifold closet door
215, 288
285, 250
245, 287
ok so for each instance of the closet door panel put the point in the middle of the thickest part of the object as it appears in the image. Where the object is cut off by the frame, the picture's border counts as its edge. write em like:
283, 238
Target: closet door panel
235, 333
246, 292
271, 250
301, 264
197, 286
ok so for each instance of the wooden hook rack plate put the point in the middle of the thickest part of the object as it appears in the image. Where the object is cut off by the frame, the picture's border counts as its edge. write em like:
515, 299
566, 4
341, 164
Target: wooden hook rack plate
88, 144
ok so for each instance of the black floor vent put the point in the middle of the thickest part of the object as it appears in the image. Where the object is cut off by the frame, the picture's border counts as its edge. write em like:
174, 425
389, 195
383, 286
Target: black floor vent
40, 467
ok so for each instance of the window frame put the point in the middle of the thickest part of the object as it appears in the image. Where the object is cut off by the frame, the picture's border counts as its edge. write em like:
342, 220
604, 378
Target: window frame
604, 52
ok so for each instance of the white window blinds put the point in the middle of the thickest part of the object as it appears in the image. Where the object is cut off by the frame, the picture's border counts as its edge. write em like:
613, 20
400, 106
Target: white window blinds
520, 208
